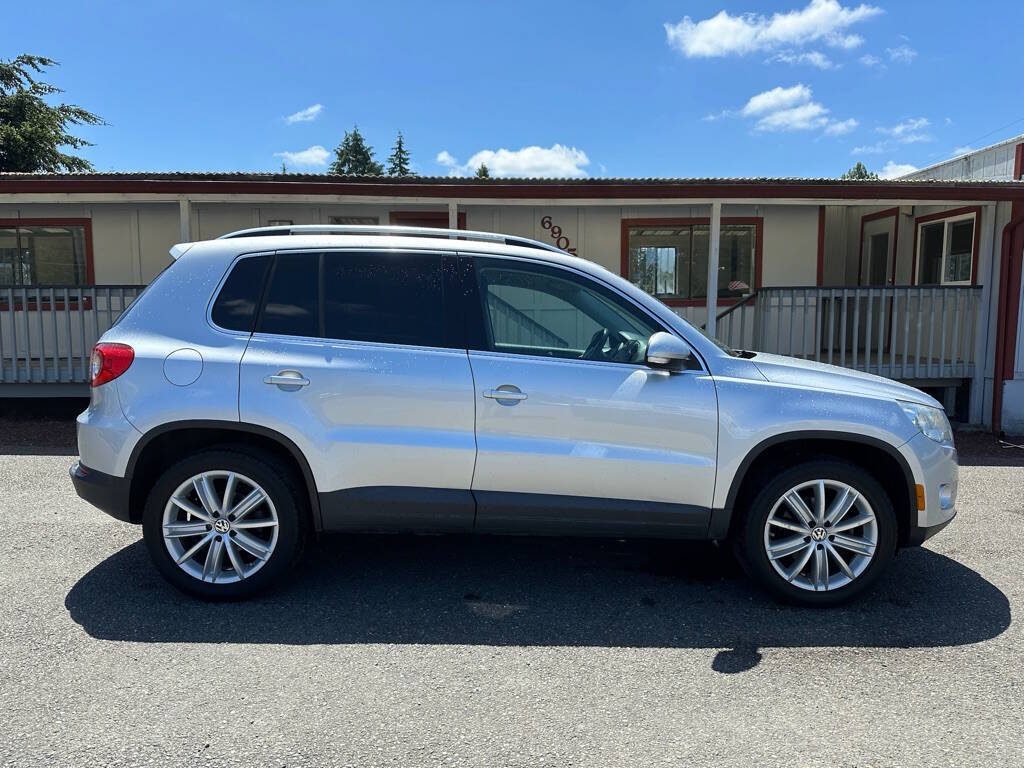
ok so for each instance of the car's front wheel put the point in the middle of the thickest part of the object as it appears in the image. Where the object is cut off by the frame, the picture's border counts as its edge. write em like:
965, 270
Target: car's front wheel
223, 524
819, 533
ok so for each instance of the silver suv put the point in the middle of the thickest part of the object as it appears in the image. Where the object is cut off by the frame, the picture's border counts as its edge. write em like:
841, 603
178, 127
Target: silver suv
276, 383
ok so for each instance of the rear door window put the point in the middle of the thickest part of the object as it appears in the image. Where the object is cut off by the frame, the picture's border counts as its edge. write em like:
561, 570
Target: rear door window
384, 296
239, 298
292, 306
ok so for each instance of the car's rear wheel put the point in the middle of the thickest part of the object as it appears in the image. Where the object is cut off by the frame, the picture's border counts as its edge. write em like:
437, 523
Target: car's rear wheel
223, 524
818, 534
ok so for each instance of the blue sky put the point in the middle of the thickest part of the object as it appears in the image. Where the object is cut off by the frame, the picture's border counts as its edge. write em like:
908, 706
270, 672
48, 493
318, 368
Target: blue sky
720, 88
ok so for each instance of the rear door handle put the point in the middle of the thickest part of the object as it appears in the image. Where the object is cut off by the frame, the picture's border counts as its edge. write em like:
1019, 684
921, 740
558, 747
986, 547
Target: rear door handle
506, 394
287, 380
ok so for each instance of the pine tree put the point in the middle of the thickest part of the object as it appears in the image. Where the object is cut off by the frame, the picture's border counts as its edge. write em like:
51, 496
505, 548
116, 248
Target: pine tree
355, 156
398, 162
32, 132
483, 172
859, 171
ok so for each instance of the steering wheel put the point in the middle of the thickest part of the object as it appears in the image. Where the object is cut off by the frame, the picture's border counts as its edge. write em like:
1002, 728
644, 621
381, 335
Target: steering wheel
620, 349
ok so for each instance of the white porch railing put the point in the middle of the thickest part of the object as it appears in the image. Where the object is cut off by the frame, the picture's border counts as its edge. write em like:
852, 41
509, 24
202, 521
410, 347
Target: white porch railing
901, 332
47, 331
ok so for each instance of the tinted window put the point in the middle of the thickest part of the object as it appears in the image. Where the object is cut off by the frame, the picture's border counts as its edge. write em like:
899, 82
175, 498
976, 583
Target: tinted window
292, 307
235, 307
395, 298
552, 313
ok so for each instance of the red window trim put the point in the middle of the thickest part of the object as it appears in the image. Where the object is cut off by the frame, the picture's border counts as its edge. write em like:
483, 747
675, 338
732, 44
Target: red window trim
756, 221
952, 214
415, 218
821, 245
86, 224
895, 213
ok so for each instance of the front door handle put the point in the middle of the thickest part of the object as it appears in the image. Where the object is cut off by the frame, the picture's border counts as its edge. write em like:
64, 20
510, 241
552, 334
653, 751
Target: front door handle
506, 394
287, 380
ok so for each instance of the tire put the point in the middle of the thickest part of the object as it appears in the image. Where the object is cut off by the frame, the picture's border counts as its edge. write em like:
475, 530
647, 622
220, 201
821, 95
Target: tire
793, 540
263, 549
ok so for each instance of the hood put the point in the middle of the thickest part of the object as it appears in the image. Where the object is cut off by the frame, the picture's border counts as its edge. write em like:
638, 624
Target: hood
807, 373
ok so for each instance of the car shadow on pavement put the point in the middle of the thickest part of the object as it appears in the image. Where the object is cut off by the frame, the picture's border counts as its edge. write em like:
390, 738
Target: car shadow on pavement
539, 591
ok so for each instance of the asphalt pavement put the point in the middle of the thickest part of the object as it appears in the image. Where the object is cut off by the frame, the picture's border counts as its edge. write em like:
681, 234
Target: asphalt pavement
438, 651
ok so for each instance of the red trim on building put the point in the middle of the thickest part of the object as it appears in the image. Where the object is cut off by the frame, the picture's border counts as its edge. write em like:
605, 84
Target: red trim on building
821, 245
756, 221
1018, 162
86, 224
895, 213
514, 188
437, 219
1010, 266
950, 214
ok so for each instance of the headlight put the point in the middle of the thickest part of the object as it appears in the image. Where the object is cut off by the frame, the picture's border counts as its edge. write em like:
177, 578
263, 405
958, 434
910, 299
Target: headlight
931, 421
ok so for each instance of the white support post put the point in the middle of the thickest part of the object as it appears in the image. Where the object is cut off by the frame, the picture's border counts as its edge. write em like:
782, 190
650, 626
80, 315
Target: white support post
185, 219
453, 215
716, 231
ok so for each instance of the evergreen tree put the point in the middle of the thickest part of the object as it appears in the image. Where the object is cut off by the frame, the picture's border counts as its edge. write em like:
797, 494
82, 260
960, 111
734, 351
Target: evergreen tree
32, 132
859, 171
398, 161
355, 156
483, 172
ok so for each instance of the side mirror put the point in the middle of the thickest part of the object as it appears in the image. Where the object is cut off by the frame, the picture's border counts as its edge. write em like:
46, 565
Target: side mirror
668, 352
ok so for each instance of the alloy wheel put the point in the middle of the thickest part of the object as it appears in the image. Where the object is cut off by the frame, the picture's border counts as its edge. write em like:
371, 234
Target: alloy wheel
220, 526
821, 535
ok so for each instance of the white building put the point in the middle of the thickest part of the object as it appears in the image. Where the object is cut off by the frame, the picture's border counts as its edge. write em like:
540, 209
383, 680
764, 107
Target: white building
901, 278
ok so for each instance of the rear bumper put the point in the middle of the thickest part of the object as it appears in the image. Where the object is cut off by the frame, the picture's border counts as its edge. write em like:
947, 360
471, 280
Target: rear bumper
105, 492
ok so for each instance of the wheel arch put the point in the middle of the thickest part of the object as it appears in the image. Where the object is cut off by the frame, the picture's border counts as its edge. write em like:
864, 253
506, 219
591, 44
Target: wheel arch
881, 459
144, 465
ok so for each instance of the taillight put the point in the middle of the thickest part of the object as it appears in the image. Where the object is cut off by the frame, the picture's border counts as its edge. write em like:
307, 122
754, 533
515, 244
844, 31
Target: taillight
108, 362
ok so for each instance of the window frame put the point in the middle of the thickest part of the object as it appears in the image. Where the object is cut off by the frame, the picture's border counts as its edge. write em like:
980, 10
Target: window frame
86, 224
722, 301
477, 318
947, 218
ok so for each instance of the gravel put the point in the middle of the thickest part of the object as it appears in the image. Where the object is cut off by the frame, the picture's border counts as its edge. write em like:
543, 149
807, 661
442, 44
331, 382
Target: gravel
436, 651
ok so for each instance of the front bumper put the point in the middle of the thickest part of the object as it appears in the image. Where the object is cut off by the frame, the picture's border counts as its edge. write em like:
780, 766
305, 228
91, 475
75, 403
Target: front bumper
936, 468
105, 492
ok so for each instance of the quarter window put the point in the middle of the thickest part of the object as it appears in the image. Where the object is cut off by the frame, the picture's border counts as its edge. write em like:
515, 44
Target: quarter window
42, 254
394, 298
671, 261
235, 307
946, 251
532, 310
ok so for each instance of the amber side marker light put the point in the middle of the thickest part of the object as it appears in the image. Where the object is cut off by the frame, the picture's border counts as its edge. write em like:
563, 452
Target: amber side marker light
920, 497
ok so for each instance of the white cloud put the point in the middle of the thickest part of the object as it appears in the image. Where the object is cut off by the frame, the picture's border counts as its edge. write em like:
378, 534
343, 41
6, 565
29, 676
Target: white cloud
777, 98
840, 127
725, 35
909, 131
870, 149
893, 170
805, 117
315, 155
812, 58
901, 53
870, 61
965, 150
790, 109
305, 115
556, 161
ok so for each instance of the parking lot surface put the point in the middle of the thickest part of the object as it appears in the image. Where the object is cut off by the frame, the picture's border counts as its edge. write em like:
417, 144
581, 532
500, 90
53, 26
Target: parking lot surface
409, 651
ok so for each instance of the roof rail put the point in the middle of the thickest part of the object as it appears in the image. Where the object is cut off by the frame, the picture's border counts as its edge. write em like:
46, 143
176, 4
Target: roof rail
352, 229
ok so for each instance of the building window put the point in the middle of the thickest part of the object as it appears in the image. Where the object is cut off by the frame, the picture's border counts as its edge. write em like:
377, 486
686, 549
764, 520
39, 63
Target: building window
279, 222
670, 260
363, 221
946, 251
43, 254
